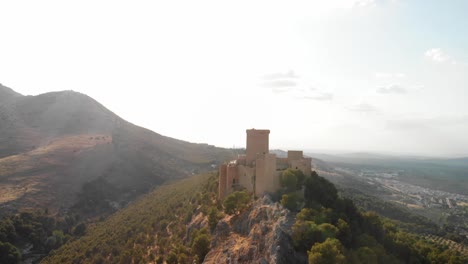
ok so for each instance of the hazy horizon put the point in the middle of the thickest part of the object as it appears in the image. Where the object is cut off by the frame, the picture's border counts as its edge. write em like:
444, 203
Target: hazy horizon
381, 76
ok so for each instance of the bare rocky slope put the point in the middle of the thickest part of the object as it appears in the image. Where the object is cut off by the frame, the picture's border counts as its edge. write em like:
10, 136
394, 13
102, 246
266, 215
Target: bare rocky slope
262, 234
53, 143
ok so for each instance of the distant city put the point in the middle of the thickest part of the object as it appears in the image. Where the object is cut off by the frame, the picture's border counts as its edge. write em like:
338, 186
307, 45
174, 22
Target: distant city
430, 201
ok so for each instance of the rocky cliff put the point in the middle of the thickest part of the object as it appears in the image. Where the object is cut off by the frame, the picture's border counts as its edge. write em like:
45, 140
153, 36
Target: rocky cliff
261, 234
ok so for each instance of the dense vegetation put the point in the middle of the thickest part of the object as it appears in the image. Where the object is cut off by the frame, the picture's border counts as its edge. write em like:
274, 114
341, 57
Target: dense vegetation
37, 231
332, 230
153, 229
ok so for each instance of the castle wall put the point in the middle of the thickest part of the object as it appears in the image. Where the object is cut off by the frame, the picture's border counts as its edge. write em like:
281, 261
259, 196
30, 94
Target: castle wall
303, 165
241, 160
232, 179
282, 164
246, 175
257, 143
274, 181
294, 154
265, 170
308, 166
222, 181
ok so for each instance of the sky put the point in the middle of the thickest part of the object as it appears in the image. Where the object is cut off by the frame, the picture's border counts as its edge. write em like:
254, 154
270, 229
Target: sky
387, 76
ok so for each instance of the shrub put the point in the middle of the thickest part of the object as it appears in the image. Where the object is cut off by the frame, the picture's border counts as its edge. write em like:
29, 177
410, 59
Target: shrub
201, 246
330, 251
288, 180
290, 201
318, 189
9, 253
236, 202
213, 218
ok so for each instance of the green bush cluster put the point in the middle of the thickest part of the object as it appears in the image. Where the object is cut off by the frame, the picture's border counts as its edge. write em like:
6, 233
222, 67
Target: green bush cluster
42, 231
332, 230
236, 202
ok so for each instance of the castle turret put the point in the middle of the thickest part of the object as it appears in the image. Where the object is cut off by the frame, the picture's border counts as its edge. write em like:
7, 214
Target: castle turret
257, 143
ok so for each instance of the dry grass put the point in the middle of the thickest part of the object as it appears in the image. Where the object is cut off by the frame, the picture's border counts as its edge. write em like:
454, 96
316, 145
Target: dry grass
29, 173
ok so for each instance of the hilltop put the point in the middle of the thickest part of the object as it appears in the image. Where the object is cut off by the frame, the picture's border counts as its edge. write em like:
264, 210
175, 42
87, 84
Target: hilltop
53, 144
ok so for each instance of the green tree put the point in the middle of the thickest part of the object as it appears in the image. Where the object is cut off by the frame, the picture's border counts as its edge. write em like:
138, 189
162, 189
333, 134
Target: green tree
328, 230
213, 218
201, 246
9, 254
171, 258
182, 258
300, 178
80, 229
344, 232
366, 255
236, 202
56, 240
328, 252
306, 214
319, 190
288, 180
305, 234
290, 201
7, 230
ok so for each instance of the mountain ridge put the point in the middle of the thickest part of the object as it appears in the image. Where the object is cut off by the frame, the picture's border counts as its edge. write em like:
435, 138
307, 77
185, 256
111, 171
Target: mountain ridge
52, 144
7, 93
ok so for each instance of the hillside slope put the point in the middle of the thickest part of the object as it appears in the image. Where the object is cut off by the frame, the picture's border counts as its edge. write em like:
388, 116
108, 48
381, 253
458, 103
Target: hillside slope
153, 225
170, 225
54, 143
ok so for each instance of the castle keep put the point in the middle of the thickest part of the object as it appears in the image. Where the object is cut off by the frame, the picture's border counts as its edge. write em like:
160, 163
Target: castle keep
258, 171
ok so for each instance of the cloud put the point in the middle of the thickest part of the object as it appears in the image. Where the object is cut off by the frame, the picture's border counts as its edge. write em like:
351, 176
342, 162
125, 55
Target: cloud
392, 89
279, 86
289, 83
423, 124
280, 75
363, 3
437, 55
280, 82
388, 75
320, 97
311, 93
363, 108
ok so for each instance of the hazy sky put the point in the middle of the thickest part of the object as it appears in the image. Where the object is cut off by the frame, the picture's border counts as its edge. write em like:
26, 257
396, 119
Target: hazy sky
363, 75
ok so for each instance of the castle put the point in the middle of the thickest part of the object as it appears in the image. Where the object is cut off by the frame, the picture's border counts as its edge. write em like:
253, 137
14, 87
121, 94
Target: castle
258, 170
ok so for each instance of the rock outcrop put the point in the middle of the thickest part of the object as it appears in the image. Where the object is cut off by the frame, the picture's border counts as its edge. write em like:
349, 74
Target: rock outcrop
261, 234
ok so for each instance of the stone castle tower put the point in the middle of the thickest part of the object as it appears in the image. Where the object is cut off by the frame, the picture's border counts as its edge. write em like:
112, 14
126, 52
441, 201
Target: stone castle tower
258, 171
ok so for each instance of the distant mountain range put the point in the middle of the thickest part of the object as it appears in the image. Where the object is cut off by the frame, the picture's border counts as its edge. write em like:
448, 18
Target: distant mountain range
53, 143
367, 157
447, 174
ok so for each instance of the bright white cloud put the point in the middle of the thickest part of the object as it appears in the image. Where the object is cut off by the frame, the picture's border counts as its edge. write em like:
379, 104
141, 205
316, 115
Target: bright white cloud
363, 108
364, 3
319, 97
392, 89
389, 75
280, 75
437, 55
